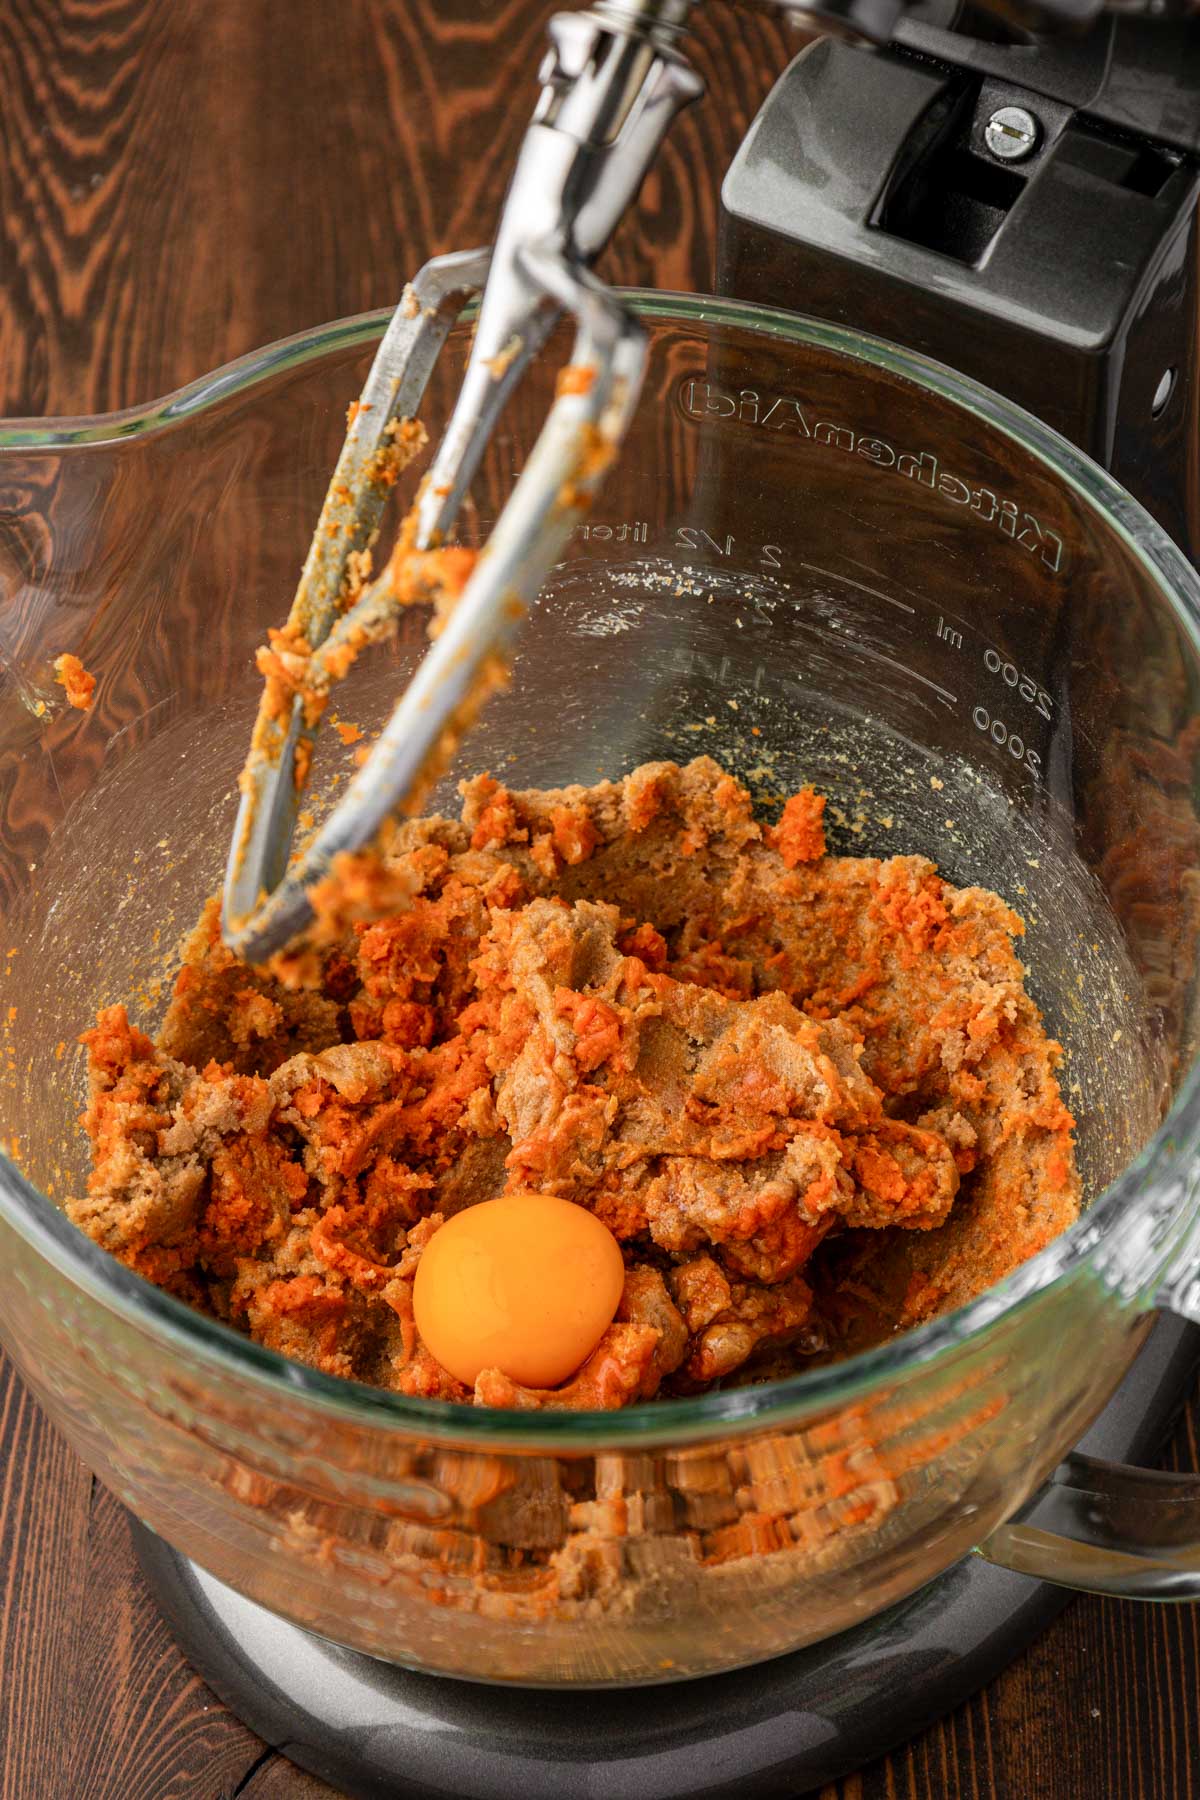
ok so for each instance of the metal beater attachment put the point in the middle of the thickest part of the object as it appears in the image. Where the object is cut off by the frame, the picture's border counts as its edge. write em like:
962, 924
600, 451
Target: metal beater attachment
611, 85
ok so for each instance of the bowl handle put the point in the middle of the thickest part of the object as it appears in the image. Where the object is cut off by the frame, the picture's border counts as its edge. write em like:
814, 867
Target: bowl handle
1108, 1527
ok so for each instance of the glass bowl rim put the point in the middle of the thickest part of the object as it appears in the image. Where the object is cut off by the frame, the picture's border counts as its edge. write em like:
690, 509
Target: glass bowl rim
1129, 1198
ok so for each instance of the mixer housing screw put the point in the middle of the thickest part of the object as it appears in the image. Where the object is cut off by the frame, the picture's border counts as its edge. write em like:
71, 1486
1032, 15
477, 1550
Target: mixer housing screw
1011, 133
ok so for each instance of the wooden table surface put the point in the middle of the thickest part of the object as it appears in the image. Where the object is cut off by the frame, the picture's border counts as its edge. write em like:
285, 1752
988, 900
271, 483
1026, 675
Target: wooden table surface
184, 181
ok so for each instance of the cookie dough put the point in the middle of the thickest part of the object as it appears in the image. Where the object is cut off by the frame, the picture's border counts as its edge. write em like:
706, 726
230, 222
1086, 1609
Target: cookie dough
807, 1093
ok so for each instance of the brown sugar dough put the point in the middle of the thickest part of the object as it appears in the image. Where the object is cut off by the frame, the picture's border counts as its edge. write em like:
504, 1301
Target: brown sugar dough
807, 1093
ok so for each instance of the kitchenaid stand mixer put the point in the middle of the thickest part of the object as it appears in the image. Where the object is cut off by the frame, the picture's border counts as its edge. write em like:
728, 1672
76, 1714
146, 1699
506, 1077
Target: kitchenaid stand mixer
785, 1724
1027, 214
1023, 210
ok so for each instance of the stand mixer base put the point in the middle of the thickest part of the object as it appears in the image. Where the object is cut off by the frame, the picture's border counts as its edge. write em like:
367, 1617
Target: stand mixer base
779, 1729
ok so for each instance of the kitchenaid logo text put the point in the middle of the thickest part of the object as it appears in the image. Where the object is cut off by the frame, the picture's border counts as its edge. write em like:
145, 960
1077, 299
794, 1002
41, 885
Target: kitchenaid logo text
702, 399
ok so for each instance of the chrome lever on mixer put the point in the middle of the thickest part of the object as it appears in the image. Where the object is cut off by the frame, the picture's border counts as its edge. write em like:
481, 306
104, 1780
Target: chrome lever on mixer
611, 86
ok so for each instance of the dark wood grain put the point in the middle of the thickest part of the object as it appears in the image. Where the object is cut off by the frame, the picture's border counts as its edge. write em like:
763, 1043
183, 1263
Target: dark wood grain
180, 183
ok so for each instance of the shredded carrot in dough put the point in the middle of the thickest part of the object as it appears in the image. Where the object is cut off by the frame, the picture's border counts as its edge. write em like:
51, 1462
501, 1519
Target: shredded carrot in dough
808, 1093
75, 680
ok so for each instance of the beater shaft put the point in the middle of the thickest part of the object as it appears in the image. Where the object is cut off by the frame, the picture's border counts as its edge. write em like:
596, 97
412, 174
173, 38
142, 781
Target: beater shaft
612, 83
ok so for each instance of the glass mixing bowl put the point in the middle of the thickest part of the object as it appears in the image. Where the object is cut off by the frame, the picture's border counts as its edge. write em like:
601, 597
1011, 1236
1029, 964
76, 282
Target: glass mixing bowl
819, 559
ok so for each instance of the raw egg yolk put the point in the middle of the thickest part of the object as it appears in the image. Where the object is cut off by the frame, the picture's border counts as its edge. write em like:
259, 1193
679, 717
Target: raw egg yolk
525, 1284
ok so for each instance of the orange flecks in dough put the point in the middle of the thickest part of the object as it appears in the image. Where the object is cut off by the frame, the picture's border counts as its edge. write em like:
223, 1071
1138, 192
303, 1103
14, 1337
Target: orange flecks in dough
497, 818
770, 1075
597, 1028
799, 836
576, 378
595, 454
422, 577
647, 944
406, 438
78, 685
572, 834
283, 661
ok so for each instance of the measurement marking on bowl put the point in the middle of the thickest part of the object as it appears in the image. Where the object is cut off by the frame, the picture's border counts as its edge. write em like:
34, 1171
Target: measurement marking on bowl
875, 593
1023, 684
903, 669
869, 569
1005, 738
702, 543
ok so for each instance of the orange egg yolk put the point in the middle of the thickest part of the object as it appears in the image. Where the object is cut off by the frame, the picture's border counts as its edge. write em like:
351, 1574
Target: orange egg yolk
525, 1284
